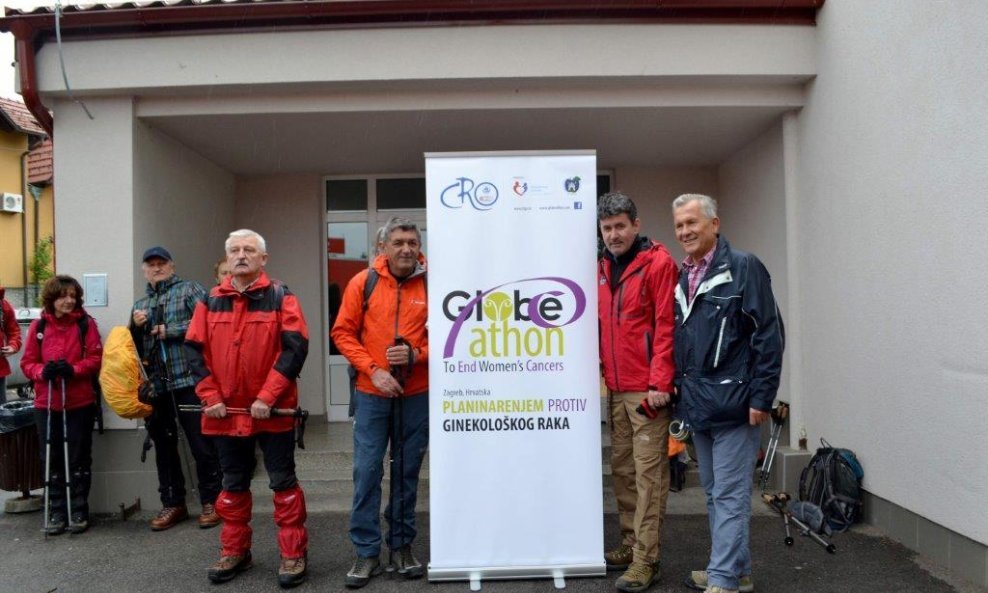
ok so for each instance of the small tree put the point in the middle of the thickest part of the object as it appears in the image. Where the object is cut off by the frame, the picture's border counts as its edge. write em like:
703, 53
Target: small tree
41, 262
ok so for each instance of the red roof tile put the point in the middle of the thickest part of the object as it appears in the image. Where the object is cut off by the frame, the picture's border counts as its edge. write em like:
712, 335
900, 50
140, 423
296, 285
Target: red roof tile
19, 117
39, 164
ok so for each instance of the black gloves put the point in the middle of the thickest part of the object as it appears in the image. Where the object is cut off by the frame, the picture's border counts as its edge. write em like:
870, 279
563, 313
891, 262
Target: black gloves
65, 369
50, 372
57, 368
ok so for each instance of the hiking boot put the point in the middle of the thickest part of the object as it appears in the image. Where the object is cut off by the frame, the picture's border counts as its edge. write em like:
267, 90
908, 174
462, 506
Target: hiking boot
80, 523
229, 567
405, 563
698, 580
619, 558
362, 571
638, 577
208, 518
292, 572
56, 524
169, 517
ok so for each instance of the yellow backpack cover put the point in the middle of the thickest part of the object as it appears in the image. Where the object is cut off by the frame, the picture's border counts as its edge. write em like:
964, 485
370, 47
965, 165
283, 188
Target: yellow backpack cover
121, 375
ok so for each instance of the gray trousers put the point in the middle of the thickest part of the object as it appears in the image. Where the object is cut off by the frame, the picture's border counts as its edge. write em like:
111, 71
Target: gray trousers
726, 458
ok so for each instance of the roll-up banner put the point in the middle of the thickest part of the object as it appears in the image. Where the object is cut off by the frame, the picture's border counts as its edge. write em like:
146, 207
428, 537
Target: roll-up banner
514, 426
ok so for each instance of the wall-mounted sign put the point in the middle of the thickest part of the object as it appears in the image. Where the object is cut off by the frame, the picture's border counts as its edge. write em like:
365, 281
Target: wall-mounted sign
95, 290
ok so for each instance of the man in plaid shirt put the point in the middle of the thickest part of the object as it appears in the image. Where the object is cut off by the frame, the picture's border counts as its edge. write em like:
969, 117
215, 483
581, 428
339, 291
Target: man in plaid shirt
158, 323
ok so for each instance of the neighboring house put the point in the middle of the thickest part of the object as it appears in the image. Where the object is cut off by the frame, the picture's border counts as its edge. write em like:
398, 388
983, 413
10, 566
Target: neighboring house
845, 141
26, 209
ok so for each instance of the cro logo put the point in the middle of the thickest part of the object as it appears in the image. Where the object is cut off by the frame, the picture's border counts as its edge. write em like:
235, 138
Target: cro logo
481, 196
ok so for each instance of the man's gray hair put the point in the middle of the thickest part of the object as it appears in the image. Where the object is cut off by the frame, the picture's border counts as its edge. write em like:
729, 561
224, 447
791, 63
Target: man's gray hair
403, 224
707, 204
616, 203
246, 234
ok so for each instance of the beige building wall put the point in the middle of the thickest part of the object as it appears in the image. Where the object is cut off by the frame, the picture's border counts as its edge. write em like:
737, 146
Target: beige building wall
12, 146
183, 202
892, 213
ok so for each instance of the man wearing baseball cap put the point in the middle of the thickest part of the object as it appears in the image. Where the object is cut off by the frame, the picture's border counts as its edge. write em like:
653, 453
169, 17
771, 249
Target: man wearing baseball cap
159, 321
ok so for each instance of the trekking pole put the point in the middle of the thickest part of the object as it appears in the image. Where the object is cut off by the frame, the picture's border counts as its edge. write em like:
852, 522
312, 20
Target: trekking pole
180, 436
779, 415
298, 413
65, 454
301, 417
48, 456
779, 502
399, 372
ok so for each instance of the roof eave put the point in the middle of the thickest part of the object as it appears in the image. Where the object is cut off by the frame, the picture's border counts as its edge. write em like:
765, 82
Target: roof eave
224, 15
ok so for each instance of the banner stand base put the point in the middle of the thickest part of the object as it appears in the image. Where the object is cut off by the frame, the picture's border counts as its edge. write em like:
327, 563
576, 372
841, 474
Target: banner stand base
557, 573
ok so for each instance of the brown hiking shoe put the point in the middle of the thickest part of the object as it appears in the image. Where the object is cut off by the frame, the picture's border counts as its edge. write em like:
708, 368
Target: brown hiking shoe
229, 567
403, 561
638, 577
698, 580
362, 572
209, 518
168, 517
619, 558
292, 572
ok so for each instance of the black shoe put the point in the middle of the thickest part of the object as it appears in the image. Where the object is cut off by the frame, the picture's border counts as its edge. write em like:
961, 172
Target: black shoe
229, 567
79, 524
56, 524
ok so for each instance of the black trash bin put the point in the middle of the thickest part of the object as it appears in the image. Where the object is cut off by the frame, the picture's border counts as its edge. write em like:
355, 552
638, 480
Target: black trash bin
20, 462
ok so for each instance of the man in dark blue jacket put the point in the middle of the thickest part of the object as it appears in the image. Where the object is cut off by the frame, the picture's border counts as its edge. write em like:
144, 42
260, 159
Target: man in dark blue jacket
728, 348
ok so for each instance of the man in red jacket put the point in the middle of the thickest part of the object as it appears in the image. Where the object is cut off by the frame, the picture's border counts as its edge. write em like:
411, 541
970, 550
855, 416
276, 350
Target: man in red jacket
636, 283
10, 341
248, 342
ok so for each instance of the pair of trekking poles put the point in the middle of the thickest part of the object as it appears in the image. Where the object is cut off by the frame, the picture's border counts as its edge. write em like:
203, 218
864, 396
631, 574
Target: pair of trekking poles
397, 449
780, 501
65, 456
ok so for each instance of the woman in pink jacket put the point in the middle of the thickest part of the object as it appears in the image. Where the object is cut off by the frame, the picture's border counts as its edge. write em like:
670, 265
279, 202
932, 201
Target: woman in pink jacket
62, 354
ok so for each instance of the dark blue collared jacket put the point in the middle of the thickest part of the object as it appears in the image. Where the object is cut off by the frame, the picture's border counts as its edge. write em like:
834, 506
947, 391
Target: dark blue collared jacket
728, 341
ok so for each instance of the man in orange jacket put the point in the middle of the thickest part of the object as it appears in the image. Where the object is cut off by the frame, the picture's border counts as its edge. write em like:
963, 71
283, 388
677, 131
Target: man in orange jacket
382, 332
248, 341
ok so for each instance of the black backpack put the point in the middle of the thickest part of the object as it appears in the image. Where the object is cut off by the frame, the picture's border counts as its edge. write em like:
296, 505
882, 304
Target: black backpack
832, 481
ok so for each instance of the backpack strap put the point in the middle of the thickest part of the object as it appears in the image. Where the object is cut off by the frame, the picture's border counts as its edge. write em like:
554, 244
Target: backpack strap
83, 330
83, 325
369, 284
279, 294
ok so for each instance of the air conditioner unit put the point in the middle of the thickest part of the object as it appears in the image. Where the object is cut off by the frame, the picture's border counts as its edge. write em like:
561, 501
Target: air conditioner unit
13, 203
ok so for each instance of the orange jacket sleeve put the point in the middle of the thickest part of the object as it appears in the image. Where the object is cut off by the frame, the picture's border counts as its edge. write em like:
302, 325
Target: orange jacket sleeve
349, 322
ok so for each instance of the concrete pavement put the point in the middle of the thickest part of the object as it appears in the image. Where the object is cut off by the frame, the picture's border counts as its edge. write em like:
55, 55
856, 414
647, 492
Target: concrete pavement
125, 556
